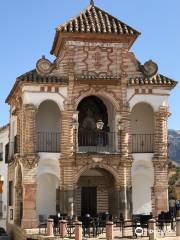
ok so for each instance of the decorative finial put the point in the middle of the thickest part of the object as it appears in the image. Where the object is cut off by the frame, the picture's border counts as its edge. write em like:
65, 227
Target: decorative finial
92, 2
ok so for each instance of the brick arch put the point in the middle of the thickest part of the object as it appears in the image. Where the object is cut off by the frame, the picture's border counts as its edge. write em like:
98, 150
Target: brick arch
53, 100
97, 166
102, 95
144, 101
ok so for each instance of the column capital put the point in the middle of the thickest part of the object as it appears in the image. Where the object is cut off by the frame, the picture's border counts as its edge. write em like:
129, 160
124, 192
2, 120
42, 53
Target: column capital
160, 162
30, 107
163, 112
30, 161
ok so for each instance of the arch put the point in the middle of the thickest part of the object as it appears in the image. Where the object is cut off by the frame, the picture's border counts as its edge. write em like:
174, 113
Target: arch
142, 119
49, 99
95, 166
143, 102
48, 127
102, 95
48, 166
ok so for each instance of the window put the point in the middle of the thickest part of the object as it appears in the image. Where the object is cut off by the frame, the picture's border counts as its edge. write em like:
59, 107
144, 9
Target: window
1, 151
10, 193
1, 206
7, 153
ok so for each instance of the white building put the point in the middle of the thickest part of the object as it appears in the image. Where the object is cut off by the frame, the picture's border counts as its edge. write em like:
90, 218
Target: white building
4, 139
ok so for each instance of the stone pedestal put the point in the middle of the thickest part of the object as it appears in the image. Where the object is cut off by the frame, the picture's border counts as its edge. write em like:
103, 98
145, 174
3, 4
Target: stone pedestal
152, 229
50, 223
63, 229
109, 231
29, 219
78, 231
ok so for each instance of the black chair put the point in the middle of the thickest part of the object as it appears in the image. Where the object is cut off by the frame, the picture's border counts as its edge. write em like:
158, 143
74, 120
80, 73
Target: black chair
56, 223
42, 223
144, 219
87, 225
164, 218
3, 232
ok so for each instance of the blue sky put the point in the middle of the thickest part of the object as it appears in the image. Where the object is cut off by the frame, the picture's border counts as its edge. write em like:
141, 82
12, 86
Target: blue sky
28, 28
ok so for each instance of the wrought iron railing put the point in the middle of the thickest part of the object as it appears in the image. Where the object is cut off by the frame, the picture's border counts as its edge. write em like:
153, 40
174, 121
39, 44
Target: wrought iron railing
97, 141
1, 209
48, 142
142, 143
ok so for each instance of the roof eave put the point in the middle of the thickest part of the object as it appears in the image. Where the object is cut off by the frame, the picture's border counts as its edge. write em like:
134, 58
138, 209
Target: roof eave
60, 37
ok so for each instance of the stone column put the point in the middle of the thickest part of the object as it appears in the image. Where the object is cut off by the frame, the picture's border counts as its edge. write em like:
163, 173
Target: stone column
29, 219
18, 204
160, 161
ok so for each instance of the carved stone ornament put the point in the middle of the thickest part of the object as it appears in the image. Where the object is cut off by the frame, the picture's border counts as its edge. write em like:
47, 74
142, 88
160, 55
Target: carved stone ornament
44, 66
150, 68
30, 162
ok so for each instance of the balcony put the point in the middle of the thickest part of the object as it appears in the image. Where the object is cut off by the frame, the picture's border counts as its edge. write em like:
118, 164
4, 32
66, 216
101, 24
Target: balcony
142, 143
97, 142
48, 142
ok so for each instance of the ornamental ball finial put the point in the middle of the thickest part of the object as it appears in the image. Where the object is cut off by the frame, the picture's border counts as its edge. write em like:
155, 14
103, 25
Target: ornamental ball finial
92, 2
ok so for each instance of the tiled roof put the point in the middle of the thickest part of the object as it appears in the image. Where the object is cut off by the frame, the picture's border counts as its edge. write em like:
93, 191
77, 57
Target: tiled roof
158, 79
95, 20
33, 76
4, 127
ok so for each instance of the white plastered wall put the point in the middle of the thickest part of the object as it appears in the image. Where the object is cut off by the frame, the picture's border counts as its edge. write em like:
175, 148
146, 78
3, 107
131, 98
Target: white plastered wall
4, 138
48, 175
158, 98
142, 181
32, 95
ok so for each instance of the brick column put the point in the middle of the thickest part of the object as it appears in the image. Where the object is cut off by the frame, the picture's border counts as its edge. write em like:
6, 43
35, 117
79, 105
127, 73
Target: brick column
160, 188
29, 129
123, 195
67, 134
125, 165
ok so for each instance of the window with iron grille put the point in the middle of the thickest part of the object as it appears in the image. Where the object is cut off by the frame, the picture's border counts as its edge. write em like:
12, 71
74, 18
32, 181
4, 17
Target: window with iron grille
1, 206
10, 193
7, 153
1, 151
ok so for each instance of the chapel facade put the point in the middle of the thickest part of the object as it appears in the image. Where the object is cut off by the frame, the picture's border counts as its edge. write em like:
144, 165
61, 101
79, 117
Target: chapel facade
88, 132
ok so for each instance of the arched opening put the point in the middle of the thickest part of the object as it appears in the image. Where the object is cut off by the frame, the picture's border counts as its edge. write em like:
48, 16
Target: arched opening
95, 192
96, 132
142, 128
48, 127
47, 201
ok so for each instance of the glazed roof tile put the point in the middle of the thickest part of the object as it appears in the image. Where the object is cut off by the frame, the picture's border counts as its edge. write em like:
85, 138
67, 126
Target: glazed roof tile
158, 79
96, 20
33, 76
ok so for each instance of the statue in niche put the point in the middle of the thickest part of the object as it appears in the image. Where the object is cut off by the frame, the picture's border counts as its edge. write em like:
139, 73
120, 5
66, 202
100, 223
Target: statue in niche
89, 122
